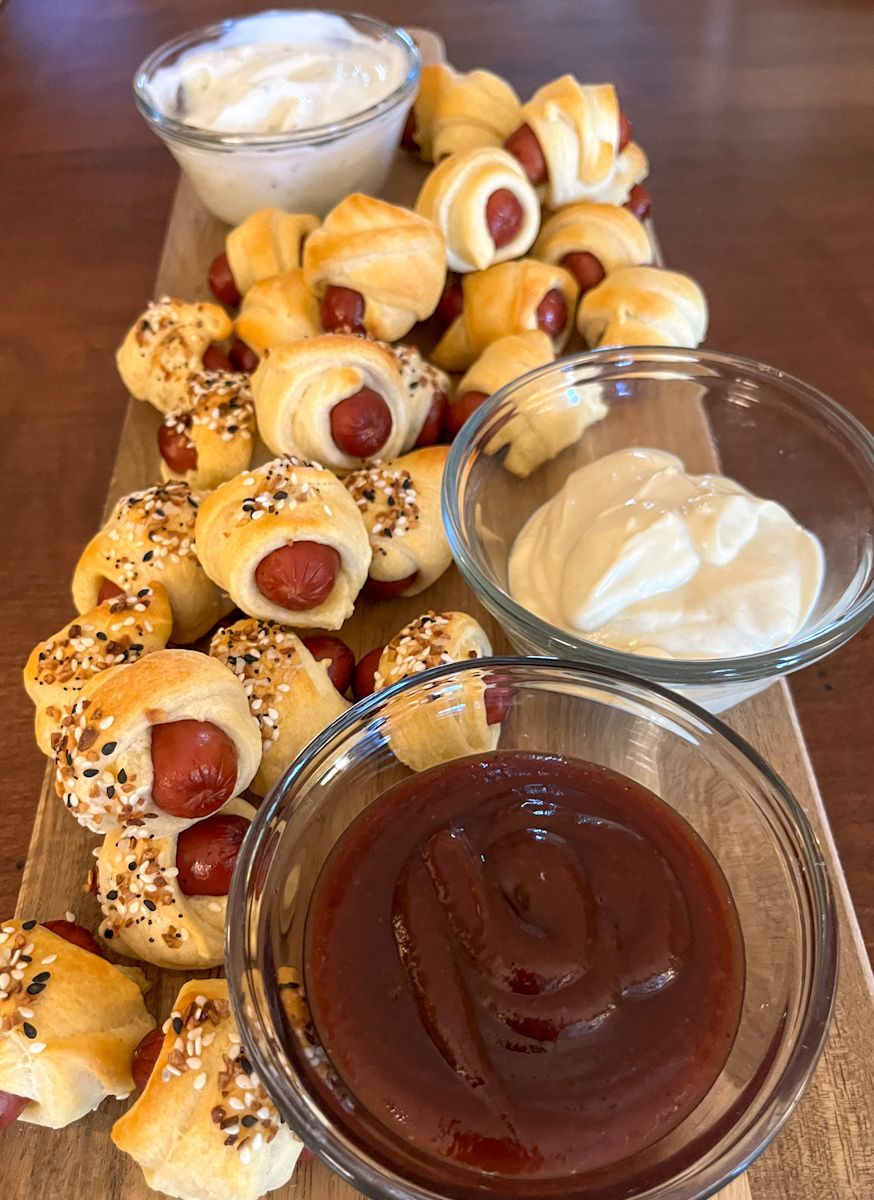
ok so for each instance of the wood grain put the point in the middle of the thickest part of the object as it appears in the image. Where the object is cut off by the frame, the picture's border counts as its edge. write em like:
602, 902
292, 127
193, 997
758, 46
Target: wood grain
826, 1149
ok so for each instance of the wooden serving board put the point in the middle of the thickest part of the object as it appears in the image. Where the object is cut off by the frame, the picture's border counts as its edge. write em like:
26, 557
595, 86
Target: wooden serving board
826, 1151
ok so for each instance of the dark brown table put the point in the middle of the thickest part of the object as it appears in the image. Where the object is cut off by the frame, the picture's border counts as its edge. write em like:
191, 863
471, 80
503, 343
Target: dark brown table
757, 119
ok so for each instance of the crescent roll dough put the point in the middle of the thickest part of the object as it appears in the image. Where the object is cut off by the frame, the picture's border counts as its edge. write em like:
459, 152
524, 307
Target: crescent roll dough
146, 915
298, 385
631, 167
149, 538
612, 235
400, 503
393, 257
455, 196
477, 109
290, 694
269, 242
644, 306
434, 81
500, 300
577, 127
103, 752
284, 501
165, 345
203, 1127
69, 1022
219, 420
452, 725
117, 631
277, 310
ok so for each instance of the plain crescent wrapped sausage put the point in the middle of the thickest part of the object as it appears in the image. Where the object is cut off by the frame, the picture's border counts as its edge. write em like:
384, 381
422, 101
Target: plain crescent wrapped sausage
644, 306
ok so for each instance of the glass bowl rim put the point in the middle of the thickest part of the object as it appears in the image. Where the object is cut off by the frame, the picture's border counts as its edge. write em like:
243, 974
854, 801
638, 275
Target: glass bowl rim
770, 1112
766, 664
209, 139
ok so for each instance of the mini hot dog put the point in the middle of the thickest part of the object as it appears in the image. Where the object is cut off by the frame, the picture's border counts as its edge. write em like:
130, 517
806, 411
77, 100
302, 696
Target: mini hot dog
591, 240
158, 743
294, 687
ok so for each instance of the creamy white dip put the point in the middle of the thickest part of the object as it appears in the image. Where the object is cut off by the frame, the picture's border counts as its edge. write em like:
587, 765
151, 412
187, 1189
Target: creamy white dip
636, 554
278, 72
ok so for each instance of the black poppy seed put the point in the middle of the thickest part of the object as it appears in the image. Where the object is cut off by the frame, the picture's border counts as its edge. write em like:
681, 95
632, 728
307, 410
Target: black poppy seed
143, 592
29, 1030
177, 1025
122, 776
132, 866
406, 484
110, 792
148, 556
34, 989
109, 747
232, 429
69, 757
280, 495
136, 647
107, 933
25, 958
150, 905
90, 772
391, 501
28, 925
250, 658
113, 895
101, 636
369, 495
42, 977
248, 1120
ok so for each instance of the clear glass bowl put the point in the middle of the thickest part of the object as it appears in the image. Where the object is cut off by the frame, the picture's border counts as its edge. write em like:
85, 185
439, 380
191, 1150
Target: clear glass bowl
775, 435
744, 813
306, 170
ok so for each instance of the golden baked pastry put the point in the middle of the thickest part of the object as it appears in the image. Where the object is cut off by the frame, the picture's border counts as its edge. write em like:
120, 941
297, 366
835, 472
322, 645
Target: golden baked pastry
476, 109
400, 504
607, 236
117, 631
165, 345
69, 1021
204, 1128
426, 735
434, 80
484, 206
510, 297
287, 543
392, 258
644, 306
146, 914
269, 242
104, 752
149, 538
212, 437
290, 694
277, 310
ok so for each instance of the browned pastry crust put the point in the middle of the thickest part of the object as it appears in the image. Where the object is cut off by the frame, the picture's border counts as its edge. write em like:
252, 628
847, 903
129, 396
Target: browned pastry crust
277, 310
219, 418
149, 538
204, 1128
103, 764
267, 243
69, 1022
290, 694
393, 257
115, 632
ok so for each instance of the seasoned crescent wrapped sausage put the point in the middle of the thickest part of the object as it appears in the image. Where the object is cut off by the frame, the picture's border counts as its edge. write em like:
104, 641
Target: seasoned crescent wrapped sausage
269, 242
117, 631
147, 914
149, 538
593, 240
338, 398
156, 744
277, 310
203, 1127
392, 260
644, 306
69, 1022
511, 297
212, 437
165, 345
400, 503
287, 542
426, 735
484, 206
290, 694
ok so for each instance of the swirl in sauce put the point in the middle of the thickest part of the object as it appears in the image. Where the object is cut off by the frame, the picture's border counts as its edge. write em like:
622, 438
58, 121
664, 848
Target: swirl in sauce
520, 964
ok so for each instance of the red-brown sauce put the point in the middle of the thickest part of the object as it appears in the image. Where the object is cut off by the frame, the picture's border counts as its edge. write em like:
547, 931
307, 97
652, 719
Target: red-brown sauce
521, 964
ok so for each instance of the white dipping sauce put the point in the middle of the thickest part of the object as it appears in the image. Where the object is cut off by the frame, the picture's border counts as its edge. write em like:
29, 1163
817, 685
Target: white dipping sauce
635, 554
278, 72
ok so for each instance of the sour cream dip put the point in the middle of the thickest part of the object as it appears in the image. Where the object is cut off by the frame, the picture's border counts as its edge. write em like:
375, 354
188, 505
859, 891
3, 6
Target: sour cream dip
279, 72
636, 554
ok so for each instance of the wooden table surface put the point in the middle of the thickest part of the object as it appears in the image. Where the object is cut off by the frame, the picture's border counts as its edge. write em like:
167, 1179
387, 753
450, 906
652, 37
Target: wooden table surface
757, 119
